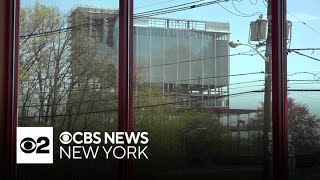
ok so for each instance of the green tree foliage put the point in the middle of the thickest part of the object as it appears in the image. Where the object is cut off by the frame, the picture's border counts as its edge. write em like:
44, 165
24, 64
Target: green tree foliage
43, 65
173, 131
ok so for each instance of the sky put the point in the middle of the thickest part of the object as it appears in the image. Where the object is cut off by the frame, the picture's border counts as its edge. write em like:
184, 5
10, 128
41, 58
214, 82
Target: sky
305, 34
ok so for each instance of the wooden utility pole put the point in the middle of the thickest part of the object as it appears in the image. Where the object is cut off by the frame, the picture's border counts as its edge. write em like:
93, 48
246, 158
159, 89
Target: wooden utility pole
267, 99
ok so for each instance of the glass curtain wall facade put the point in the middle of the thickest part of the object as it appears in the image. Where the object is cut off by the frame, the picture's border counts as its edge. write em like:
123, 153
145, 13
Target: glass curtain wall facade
187, 59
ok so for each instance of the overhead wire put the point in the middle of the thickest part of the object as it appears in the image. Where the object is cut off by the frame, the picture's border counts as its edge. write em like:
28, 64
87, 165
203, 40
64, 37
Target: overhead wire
303, 22
144, 107
315, 75
215, 77
240, 13
316, 79
139, 7
144, 15
137, 107
192, 60
299, 90
166, 8
265, 3
303, 49
150, 13
192, 100
233, 75
306, 83
61, 30
303, 80
253, 3
305, 55
135, 96
246, 15
166, 64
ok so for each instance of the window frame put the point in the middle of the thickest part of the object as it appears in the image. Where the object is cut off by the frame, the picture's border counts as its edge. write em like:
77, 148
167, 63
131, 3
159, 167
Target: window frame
125, 106
10, 76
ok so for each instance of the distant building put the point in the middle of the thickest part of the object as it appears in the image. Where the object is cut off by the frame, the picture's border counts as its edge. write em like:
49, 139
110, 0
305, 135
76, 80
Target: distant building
187, 59
91, 38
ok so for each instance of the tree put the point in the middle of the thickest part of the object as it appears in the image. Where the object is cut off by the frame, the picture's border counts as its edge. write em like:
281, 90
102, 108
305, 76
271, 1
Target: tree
159, 114
43, 65
302, 127
68, 79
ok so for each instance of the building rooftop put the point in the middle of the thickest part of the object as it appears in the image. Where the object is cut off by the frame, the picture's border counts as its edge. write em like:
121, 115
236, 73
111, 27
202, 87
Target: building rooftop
94, 10
156, 22
182, 24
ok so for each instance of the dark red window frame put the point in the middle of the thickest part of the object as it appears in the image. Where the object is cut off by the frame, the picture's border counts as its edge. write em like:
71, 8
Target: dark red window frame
11, 53
279, 90
125, 95
125, 106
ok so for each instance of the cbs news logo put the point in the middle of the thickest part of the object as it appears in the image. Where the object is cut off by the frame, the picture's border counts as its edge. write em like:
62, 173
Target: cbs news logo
34, 145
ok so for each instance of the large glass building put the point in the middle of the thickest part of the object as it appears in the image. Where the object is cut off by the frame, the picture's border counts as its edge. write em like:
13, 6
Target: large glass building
187, 58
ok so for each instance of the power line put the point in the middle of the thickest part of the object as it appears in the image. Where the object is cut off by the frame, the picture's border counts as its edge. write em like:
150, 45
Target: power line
166, 64
64, 77
58, 31
305, 80
115, 86
305, 83
306, 55
171, 9
246, 82
158, 12
193, 100
297, 90
192, 60
143, 14
253, 3
242, 87
243, 14
304, 49
315, 75
304, 90
166, 8
154, 4
171, 93
215, 77
265, 3
164, 104
303, 22
242, 74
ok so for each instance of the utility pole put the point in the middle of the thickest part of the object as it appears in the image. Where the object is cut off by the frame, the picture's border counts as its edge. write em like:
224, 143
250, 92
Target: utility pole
267, 99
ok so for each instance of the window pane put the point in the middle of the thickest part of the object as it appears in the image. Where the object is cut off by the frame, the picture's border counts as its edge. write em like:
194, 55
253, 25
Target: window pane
202, 102
303, 89
68, 80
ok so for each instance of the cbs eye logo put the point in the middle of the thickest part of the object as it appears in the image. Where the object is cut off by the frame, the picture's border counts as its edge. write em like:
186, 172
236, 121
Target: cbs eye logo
34, 145
29, 145
65, 137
